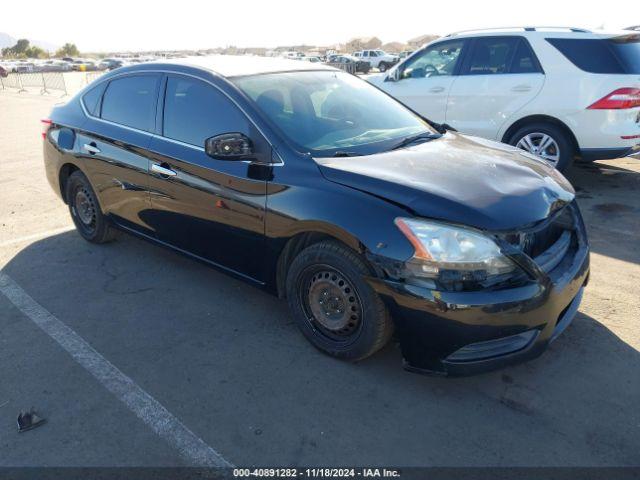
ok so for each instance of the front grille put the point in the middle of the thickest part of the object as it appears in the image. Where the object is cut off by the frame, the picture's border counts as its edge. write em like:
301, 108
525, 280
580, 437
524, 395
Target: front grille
550, 241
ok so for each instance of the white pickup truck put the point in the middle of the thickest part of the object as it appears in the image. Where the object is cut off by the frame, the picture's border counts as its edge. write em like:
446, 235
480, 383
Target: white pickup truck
377, 59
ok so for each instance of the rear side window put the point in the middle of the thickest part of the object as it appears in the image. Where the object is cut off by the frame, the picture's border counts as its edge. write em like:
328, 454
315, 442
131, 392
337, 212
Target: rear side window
501, 55
91, 99
617, 55
524, 60
491, 55
131, 101
195, 111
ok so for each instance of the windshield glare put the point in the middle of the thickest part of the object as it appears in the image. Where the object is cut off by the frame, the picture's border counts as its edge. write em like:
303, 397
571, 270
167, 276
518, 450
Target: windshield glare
325, 112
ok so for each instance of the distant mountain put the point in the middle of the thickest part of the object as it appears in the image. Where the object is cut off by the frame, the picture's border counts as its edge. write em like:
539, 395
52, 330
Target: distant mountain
6, 40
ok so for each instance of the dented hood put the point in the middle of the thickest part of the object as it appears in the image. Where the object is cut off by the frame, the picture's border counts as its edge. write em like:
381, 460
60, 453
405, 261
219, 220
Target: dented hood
458, 179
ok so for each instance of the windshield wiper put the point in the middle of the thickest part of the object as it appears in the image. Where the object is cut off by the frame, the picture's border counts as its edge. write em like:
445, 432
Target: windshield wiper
426, 136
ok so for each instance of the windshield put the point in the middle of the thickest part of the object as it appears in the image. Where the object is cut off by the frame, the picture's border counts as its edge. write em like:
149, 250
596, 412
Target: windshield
326, 112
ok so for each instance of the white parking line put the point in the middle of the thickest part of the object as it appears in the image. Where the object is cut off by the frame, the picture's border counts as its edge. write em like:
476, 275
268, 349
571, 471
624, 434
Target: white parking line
191, 447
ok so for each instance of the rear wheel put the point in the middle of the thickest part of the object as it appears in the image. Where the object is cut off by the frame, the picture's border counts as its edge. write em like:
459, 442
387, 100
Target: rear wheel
333, 305
547, 141
85, 210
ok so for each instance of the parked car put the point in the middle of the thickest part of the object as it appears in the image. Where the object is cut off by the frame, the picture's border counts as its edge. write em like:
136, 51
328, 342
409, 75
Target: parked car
557, 93
359, 66
84, 65
3, 72
313, 184
405, 54
377, 59
110, 64
54, 66
22, 66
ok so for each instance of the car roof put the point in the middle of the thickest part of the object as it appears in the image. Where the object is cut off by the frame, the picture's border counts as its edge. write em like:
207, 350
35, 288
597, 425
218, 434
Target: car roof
539, 31
239, 65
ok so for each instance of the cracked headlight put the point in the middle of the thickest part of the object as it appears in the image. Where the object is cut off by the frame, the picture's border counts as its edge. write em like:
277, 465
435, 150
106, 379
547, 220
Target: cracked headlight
452, 254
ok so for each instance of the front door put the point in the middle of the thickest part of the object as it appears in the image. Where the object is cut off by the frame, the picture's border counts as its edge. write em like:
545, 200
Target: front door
424, 80
213, 209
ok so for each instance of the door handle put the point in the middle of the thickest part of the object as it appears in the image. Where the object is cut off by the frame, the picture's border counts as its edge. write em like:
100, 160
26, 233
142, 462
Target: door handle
521, 88
91, 148
437, 89
167, 172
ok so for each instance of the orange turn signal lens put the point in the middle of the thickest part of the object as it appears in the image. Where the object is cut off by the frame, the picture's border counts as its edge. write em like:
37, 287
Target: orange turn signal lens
421, 252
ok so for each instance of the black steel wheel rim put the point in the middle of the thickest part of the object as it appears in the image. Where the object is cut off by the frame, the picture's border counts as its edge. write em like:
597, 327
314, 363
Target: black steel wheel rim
84, 209
331, 304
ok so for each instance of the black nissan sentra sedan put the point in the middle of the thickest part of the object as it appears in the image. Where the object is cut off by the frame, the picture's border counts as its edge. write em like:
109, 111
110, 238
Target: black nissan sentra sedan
315, 185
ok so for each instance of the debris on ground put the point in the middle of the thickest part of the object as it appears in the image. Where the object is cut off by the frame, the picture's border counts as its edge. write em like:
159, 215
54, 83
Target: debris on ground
29, 420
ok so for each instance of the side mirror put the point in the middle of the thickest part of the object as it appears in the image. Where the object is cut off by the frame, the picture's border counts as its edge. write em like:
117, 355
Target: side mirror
394, 75
229, 146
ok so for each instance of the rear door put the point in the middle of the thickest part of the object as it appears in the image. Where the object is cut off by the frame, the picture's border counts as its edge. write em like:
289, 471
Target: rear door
210, 208
498, 77
424, 80
114, 142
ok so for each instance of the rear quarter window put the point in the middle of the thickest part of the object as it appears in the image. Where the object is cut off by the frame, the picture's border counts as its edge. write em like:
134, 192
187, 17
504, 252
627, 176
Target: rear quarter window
91, 99
619, 55
627, 49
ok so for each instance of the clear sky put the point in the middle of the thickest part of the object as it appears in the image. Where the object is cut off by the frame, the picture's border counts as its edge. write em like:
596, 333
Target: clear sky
191, 24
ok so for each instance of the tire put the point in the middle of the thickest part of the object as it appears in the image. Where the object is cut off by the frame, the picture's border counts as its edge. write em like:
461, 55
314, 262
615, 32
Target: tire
329, 277
383, 67
85, 210
560, 152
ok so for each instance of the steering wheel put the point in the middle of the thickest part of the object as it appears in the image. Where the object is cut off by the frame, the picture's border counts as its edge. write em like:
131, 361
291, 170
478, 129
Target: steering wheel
430, 68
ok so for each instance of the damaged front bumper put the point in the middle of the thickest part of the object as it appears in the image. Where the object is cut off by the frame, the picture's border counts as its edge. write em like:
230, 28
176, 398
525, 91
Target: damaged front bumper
468, 332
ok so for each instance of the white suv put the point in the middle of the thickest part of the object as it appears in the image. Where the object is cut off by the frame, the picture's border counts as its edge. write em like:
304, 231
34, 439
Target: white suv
377, 59
556, 92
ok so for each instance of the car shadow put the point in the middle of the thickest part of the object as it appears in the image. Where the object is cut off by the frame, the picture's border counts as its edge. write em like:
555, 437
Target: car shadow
610, 204
187, 332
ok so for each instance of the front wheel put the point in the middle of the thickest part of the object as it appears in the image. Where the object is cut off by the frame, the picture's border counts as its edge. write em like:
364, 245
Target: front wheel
383, 67
334, 307
547, 141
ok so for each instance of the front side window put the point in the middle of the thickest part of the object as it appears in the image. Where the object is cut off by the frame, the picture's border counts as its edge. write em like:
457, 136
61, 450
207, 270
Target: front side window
195, 111
491, 55
131, 101
436, 60
325, 112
